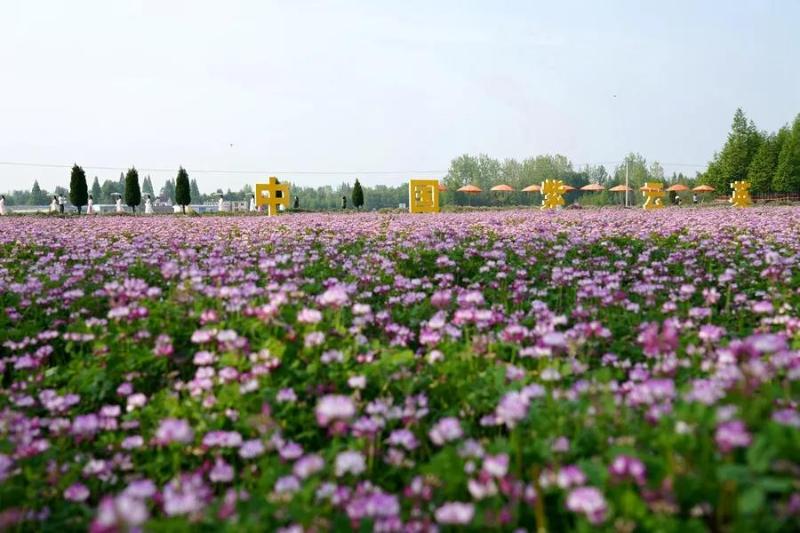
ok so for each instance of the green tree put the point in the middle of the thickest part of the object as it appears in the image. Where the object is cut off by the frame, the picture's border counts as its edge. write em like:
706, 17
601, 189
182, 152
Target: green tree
38, 197
183, 189
732, 163
78, 191
765, 162
97, 191
167, 193
787, 174
195, 190
133, 194
110, 187
358, 195
147, 187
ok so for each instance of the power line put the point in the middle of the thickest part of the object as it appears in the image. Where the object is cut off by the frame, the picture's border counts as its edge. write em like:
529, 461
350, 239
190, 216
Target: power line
299, 172
220, 171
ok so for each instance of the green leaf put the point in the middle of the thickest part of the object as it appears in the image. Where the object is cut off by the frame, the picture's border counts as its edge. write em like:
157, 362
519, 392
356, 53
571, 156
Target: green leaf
751, 500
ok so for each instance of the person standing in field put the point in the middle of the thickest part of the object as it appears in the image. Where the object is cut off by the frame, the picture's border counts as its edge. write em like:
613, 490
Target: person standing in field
119, 204
694, 198
252, 203
90, 205
2, 204
54, 205
344, 202
148, 206
61, 204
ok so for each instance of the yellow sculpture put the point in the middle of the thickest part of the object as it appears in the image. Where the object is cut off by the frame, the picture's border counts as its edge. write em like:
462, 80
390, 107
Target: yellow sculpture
741, 194
654, 192
272, 195
423, 196
553, 192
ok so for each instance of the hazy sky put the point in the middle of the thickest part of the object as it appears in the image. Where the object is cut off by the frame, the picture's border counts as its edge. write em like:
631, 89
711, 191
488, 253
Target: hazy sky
400, 86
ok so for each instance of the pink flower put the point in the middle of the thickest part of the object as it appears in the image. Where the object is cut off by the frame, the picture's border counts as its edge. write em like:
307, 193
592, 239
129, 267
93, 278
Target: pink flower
174, 430
309, 316
350, 462
455, 513
588, 501
335, 297
732, 434
77, 492
334, 407
446, 430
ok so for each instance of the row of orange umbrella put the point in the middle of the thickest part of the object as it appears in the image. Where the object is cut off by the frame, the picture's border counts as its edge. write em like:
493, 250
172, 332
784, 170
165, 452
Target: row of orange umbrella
594, 187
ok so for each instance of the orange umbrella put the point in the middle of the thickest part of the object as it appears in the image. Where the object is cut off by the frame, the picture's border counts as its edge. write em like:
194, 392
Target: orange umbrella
503, 188
532, 188
595, 187
567, 188
704, 188
620, 188
470, 189
678, 187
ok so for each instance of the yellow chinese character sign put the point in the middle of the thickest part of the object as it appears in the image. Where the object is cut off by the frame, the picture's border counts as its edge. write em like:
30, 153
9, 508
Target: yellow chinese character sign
553, 192
423, 196
741, 194
272, 195
654, 195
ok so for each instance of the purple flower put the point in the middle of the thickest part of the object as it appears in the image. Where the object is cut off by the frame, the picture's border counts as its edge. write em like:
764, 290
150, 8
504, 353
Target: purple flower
732, 434
512, 409
174, 430
251, 448
187, 494
455, 513
627, 467
349, 462
85, 425
309, 316
570, 476
334, 407
446, 430
287, 485
222, 439
589, 502
77, 492
308, 465
335, 297
222, 472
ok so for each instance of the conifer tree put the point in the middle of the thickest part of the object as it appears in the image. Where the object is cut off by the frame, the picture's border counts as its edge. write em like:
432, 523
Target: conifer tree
78, 191
358, 195
133, 194
183, 196
787, 174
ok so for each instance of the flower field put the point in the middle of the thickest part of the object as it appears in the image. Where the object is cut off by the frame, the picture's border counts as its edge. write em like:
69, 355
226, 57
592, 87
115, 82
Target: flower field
519, 370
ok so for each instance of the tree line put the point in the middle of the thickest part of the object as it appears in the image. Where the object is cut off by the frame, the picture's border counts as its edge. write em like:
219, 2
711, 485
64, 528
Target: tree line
770, 161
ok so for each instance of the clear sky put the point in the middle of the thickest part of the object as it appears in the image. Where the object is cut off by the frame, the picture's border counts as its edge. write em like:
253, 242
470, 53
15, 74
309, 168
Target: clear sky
400, 86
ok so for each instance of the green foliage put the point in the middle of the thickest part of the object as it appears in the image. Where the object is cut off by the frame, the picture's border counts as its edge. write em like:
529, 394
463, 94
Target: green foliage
787, 174
97, 191
78, 191
358, 195
183, 189
133, 195
194, 190
38, 197
147, 187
